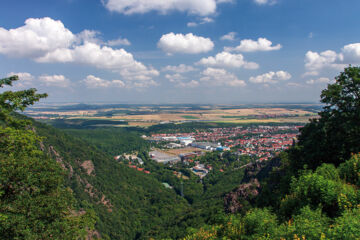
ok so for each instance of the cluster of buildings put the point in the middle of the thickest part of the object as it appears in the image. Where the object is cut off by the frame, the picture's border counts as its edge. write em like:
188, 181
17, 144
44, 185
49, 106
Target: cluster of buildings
261, 141
134, 162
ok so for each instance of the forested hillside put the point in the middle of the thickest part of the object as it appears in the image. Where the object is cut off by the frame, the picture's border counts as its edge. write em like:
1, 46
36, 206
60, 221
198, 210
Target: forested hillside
314, 192
66, 184
125, 203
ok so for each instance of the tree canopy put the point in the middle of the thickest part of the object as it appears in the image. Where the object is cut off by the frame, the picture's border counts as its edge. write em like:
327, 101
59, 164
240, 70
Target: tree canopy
34, 203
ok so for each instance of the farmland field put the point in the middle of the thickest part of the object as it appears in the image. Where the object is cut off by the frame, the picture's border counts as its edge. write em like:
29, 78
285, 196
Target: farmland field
149, 115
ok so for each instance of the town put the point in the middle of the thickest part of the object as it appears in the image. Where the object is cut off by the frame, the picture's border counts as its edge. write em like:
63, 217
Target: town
260, 142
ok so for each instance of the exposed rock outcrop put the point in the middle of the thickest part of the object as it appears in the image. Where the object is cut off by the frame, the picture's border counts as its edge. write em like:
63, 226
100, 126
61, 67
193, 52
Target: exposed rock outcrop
89, 167
234, 201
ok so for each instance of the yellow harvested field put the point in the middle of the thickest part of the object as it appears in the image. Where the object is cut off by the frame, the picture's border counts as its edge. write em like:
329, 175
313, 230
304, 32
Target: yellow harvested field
178, 151
214, 115
145, 116
141, 124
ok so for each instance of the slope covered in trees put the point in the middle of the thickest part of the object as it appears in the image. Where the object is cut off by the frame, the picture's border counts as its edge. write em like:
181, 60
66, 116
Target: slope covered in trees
314, 193
310, 191
34, 202
39, 165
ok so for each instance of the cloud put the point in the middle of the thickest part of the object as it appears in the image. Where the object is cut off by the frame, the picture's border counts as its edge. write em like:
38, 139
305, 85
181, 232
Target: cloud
310, 73
182, 68
178, 79
23, 76
28, 80
202, 21
55, 81
248, 45
103, 57
226, 59
95, 82
88, 36
198, 7
271, 77
220, 77
351, 53
37, 37
25, 79
191, 84
318, 81
189, 43
48, 41
265, 2
230, 36
191, 24
317, 62
118, 42
293, 84
174, 77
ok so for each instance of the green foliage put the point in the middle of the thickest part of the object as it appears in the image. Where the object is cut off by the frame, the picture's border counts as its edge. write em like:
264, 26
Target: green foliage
350, 170
34, 204
309, 224
259, 224
313, 189
141, 207
114, 141
335, 136
15, 101
314, 193
346, 227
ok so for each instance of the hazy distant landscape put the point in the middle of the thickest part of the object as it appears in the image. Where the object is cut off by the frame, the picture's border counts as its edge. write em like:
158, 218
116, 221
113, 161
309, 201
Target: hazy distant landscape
148, 115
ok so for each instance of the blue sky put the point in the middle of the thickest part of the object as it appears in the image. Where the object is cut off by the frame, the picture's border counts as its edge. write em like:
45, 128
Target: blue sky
178, 51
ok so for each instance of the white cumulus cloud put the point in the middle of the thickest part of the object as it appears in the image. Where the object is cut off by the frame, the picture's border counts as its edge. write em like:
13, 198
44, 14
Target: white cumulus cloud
180, 81
117, 60
316, 62
46, 40
271, 77
118, 42
265, 2
189, 43
37, 37
248, 45
220, 77
198, 7
230, 36
351, 53
54, 81
226, 59
318, 81
25, 79
182, 68
95, 82
191, 24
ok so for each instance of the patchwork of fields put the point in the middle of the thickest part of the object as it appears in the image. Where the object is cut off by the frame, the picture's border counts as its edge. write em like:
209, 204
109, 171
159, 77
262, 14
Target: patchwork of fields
145, 116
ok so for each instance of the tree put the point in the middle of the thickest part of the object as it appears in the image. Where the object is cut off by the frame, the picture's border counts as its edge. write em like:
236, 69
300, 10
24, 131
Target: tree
34, 203
336, 134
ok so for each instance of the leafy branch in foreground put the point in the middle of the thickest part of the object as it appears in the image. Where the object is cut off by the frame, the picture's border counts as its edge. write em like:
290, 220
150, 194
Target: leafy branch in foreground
34, 203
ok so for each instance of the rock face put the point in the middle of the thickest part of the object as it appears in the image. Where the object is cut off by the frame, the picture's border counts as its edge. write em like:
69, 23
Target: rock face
240, 199
234, 202
55, 155
88, 166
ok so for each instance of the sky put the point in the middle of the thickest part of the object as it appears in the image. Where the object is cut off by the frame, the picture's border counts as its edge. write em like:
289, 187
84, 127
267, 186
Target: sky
178, 51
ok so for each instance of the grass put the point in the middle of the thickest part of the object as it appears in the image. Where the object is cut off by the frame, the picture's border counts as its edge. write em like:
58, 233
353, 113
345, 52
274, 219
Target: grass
189, 117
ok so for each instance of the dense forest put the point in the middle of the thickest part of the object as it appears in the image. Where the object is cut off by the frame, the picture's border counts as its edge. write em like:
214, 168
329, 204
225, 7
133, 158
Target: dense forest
66, 184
